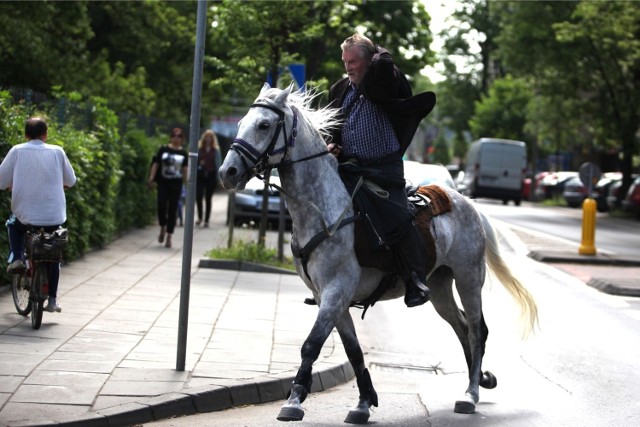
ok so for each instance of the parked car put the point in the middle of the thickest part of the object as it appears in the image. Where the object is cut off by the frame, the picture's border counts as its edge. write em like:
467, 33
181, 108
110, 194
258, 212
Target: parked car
416, 174
534, 192
631, 202
526, 189
248, 202
601, 190
553, 184
574, 192
614, 197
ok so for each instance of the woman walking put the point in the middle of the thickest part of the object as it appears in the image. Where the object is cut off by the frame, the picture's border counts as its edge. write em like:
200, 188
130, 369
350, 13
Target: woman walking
169, 171
209, 159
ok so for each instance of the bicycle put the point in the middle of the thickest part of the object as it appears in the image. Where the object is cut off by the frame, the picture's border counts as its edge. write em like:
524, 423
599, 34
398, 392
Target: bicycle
31, 288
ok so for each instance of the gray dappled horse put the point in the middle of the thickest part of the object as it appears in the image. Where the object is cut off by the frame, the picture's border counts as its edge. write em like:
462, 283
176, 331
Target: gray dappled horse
282, 131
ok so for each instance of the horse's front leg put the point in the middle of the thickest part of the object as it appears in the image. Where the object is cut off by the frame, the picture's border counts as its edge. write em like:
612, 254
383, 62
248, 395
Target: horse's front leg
328, 314
368, 396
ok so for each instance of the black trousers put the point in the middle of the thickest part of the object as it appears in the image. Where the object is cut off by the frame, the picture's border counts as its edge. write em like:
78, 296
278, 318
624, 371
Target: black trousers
168, 197
205, 187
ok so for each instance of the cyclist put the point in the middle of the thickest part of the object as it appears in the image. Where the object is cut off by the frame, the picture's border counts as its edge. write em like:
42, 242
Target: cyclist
37, 174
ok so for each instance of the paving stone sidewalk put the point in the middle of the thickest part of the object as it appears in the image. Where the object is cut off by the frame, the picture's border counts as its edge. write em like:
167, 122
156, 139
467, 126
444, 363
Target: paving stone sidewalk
110, 357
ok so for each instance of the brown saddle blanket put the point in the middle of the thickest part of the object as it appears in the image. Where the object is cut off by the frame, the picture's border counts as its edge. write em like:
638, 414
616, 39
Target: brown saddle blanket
438, 202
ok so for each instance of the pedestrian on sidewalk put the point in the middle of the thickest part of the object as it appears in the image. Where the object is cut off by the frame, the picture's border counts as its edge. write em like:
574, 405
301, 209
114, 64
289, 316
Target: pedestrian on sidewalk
209, 160
37, 174
169, 172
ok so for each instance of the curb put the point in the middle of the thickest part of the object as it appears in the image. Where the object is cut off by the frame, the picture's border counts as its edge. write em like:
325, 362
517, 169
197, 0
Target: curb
208, 398
619, 288
599, 259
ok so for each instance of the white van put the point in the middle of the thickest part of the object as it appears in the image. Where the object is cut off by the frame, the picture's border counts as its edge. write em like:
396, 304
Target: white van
495, 168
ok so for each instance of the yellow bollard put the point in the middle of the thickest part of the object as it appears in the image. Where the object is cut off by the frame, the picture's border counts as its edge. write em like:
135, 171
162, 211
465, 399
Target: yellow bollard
587, 246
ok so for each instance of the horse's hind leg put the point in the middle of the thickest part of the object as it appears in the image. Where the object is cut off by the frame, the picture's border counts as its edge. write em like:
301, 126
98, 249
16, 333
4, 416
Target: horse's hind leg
469, 327
368, 396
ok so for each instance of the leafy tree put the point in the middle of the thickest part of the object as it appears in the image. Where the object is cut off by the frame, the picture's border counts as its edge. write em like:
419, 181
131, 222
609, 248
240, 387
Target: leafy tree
138, 55
143, 51
469, 71
262, 37
585, 52
502, 112
42, 44
441, 153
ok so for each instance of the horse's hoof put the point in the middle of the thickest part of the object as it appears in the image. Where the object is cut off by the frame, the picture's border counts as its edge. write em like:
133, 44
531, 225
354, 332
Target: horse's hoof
290, 413
488, 380
357, 417
466, 406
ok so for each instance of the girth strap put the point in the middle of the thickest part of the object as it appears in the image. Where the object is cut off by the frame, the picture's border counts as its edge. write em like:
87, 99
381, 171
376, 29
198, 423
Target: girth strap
305, 252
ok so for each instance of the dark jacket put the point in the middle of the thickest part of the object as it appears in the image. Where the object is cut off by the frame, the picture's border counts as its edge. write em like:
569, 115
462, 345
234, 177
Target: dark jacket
384, 84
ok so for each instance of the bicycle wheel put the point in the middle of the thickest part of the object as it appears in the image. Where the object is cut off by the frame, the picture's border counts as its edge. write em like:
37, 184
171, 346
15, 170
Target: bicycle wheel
21, 288
37, 301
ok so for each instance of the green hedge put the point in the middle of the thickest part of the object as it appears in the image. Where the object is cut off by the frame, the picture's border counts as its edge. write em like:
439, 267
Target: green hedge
111, 194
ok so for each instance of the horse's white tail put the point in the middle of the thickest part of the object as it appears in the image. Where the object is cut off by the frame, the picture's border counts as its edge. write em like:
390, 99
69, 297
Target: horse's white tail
509, 281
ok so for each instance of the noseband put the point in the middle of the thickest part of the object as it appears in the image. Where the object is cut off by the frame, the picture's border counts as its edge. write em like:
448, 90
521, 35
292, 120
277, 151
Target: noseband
261, 160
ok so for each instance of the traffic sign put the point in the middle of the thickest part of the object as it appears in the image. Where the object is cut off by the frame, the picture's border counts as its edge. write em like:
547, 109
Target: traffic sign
589, 175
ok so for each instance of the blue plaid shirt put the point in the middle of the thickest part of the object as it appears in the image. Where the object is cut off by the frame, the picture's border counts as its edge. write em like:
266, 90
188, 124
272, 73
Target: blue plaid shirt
367, 133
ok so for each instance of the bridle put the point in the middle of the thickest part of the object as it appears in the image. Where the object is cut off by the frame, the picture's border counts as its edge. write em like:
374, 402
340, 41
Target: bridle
248, 154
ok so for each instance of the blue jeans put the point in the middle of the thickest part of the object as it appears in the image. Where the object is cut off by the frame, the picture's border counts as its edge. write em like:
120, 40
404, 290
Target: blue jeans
17, 231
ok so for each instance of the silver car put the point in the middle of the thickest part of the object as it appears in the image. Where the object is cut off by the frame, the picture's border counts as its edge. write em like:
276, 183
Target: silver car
248, 202
416, 174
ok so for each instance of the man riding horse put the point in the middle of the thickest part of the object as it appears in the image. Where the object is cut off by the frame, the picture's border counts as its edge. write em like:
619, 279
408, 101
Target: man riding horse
380, 117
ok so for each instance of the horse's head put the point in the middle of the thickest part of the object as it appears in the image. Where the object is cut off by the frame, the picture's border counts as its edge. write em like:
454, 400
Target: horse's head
265, 135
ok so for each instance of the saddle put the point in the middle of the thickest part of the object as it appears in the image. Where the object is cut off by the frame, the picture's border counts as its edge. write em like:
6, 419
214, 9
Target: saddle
426, 202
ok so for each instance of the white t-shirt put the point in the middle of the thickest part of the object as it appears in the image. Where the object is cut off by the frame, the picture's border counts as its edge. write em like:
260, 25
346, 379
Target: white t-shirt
37, 174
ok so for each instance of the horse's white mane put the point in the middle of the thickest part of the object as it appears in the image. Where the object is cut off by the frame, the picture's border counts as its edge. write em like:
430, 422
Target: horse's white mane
323, 119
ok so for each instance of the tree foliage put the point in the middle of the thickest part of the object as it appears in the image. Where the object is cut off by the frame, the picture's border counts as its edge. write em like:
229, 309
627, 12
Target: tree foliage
264, 37
502, 112
585, 56
138, 55
580, 61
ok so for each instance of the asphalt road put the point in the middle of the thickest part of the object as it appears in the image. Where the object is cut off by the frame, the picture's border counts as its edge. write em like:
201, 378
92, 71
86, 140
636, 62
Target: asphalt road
612, 234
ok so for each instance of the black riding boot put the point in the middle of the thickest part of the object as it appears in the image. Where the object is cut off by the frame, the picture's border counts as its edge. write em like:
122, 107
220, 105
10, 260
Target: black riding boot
411, 253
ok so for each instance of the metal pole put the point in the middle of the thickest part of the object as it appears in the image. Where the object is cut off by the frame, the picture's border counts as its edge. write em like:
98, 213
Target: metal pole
194, 132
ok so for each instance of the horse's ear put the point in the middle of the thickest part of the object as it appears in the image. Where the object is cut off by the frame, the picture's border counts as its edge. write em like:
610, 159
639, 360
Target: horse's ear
265, 87
282, 96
